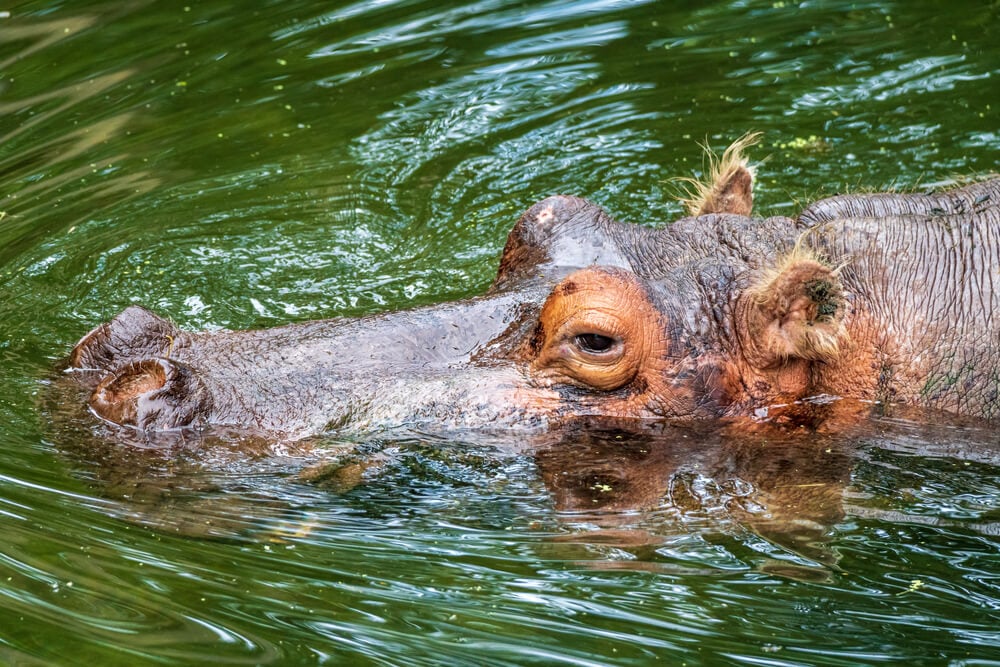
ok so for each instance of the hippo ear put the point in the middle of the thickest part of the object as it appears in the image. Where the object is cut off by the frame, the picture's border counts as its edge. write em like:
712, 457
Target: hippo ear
151, 394
794, 312
728, 186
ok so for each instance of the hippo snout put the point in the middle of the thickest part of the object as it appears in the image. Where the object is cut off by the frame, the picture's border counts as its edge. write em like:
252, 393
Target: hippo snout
151, 394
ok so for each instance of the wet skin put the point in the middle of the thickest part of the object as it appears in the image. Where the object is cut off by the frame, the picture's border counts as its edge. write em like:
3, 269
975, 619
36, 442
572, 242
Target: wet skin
877, 297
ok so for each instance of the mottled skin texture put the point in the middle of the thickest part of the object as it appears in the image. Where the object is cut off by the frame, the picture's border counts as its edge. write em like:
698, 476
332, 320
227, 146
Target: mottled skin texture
922, 268
881, 297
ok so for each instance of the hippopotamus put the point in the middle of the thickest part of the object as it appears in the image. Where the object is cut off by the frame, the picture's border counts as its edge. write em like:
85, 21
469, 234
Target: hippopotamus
883, 297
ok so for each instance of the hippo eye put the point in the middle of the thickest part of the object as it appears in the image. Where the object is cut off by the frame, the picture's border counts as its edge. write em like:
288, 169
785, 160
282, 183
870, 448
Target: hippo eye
597, 330
594, 343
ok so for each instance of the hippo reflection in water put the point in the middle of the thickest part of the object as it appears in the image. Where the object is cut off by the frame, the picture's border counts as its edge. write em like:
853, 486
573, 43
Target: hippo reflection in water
881, 297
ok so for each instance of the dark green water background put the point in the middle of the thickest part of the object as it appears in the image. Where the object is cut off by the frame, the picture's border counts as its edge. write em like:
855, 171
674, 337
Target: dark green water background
244, 164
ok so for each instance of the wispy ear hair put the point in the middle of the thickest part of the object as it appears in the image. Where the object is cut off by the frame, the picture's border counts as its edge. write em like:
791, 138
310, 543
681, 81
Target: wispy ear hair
714, 193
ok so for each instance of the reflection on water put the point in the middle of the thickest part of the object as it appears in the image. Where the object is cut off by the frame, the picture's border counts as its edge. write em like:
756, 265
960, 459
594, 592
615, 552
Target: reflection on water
719, 516
628, 489
248, 164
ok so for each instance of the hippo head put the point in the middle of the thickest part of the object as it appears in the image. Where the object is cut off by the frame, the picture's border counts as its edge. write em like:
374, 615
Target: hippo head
716, 314
711, 316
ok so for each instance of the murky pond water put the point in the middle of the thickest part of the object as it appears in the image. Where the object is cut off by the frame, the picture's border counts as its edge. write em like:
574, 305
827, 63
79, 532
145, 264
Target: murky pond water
248, 164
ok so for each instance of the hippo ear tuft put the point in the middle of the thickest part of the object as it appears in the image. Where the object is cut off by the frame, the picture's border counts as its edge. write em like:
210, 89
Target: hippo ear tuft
728, 185
795, 312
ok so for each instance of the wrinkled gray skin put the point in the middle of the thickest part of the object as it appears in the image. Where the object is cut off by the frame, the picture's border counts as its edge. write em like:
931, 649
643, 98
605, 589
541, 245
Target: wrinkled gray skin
921, 267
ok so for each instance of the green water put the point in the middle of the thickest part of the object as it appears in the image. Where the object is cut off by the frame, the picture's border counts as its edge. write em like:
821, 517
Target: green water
249, 164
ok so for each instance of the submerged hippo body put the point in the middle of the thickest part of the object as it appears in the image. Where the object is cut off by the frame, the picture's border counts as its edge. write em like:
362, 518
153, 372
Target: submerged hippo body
885, 297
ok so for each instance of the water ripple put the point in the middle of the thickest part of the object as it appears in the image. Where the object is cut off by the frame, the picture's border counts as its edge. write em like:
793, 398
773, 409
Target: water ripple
257, 164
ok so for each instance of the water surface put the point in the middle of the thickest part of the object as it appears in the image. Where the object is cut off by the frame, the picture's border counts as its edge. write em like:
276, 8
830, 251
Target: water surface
250, 164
